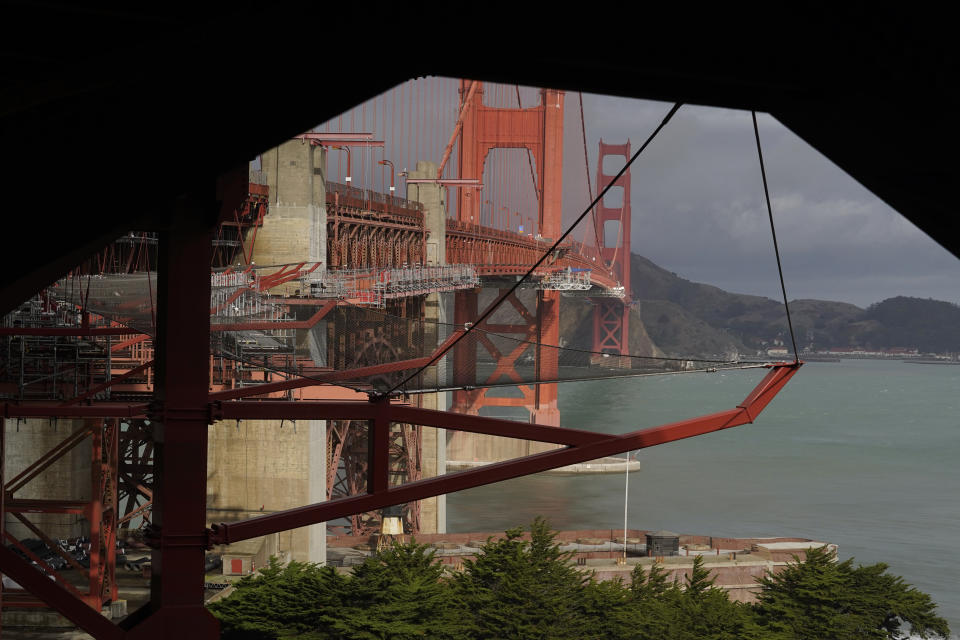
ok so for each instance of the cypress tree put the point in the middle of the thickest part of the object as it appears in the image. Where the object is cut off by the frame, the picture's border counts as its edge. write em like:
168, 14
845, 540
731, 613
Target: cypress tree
279, 600
399, 593
822, 598
524, 590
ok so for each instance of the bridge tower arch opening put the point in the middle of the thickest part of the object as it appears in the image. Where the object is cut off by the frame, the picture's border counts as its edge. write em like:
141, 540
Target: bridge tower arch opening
538, 129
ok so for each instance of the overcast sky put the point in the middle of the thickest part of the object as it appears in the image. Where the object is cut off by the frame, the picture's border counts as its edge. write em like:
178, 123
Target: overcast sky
698, 208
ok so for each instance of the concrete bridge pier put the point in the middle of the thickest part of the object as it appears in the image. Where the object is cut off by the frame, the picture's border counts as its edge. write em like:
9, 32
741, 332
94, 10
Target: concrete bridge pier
433, 456
259, 466
67, 479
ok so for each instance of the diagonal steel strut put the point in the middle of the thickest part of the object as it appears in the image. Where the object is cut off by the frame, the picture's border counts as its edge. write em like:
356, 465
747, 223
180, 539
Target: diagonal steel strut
582, 446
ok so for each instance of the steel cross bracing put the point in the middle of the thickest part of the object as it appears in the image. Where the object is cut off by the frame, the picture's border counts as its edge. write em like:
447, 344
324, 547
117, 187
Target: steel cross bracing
182, 407
579, 446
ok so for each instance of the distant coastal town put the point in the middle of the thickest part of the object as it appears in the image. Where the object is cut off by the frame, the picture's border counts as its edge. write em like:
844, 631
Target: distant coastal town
894, 353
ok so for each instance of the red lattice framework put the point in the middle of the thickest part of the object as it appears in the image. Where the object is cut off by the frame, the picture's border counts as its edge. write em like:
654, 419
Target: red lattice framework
182, 407
539, 130
99, 511
370, 229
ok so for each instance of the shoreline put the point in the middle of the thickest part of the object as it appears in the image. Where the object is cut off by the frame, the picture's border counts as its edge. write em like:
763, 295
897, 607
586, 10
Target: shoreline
609, 464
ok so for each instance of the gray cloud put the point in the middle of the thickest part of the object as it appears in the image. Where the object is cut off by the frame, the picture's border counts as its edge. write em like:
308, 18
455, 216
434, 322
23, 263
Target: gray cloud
698, 208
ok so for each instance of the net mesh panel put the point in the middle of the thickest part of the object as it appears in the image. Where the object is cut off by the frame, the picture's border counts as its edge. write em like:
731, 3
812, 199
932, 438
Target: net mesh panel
382, 345
389, 348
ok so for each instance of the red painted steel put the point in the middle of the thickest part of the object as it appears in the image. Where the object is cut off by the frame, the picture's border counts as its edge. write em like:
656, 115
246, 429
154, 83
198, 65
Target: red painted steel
58, 597
611, 322
611, 318
99, 511
179, 417
603, 445
365, 229
538, 326
539, 130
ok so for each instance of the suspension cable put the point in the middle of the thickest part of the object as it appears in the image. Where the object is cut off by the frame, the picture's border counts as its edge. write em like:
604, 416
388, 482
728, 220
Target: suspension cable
773, 232
617, 376
546, 254
586, 162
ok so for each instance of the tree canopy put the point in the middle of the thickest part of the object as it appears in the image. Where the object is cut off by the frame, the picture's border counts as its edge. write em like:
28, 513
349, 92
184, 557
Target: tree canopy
526, 587
822, 598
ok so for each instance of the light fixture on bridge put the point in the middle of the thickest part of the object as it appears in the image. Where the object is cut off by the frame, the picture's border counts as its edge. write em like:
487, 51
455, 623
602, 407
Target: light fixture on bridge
389, 164
391, 525
347, 149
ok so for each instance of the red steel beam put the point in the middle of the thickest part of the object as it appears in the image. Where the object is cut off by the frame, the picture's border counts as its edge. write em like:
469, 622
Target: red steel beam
129, 342
36, 505
58, 597
179, 418
42, 565
51, 544
744, 413
97, 410
47, 459
130, 516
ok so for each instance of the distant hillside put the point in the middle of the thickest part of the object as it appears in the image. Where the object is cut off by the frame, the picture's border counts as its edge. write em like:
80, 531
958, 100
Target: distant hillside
685, 318
929, 325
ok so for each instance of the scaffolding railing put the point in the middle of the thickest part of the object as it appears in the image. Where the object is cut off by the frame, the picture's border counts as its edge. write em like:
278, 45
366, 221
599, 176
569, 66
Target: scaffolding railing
374, 287
370, 200
569, 279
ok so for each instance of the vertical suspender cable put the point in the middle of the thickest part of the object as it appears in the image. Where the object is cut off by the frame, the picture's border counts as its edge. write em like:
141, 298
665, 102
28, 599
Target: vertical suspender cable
773, 232
586, 162
496, 305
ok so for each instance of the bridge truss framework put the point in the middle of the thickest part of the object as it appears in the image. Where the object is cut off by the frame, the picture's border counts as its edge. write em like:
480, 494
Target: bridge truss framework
182, 409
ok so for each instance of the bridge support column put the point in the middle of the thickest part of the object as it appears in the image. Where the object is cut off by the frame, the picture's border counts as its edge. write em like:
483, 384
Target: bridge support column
433, 443
295, 229
611, 317
180, 431
537, 324
545, 410
611, 327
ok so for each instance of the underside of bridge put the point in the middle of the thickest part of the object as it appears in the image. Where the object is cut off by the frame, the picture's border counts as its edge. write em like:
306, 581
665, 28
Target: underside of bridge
119, 120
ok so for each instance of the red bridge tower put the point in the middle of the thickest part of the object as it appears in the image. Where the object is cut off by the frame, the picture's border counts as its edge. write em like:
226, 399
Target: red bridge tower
611, 316
540, 130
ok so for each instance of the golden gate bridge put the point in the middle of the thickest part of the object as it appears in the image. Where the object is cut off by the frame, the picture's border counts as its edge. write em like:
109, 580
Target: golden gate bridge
320, 294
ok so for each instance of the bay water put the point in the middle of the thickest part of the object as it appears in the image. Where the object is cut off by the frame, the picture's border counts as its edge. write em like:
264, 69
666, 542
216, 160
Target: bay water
861, 453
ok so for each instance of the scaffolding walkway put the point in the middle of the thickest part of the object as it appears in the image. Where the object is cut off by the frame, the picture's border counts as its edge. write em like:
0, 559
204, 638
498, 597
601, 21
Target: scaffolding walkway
372, 287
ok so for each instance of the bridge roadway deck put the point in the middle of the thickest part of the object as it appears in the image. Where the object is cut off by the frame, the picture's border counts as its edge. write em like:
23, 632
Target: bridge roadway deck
493, 251
496, 252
